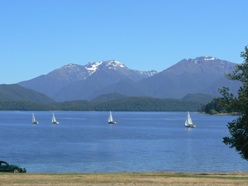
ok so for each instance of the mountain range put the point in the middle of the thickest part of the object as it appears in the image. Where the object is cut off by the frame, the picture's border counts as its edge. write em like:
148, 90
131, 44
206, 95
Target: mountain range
85, 82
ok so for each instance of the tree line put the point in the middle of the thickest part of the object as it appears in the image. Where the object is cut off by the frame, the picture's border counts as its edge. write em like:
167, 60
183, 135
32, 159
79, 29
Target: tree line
123, 104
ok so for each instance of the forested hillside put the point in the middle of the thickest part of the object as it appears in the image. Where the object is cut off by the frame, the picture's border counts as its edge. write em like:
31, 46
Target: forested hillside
15, 97
123, 104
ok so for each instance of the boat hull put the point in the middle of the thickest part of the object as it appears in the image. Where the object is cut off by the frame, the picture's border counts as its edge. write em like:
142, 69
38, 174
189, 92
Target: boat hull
190, 126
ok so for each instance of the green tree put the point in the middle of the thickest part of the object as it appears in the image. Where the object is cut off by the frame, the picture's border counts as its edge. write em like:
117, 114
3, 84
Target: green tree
238, 128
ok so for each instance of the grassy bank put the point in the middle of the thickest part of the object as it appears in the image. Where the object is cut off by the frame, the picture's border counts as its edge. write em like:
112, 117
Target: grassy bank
138, 179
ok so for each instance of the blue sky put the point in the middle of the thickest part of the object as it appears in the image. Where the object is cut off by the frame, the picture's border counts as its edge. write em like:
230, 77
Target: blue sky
38, 36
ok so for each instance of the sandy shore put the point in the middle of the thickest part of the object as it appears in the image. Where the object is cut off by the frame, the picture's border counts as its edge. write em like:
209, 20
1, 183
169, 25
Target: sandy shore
129, 179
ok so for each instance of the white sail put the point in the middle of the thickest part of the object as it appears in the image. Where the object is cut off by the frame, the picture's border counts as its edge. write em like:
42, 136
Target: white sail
110, 119
54, 121
189, 122
34, 121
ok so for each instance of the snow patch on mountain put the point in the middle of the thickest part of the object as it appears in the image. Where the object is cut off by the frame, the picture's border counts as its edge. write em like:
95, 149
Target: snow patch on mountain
148, 73
204, 59
72, 67
92, 67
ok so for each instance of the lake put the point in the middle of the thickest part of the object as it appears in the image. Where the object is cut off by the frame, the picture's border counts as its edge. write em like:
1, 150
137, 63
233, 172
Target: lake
139, 142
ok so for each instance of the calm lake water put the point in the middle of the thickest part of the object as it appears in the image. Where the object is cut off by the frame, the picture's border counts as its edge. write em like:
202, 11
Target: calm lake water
139, 142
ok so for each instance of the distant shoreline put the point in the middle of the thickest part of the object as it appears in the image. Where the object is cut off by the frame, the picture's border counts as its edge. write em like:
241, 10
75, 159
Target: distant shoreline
227, 114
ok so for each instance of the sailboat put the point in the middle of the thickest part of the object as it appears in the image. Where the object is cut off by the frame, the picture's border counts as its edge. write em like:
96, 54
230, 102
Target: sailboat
34, 121
189, 123
110, 119
54, 121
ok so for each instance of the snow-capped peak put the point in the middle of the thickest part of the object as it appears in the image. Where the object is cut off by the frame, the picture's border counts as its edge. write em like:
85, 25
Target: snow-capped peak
92, 67
115, 63
207, 58
72, 68
80, 72
71, 65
